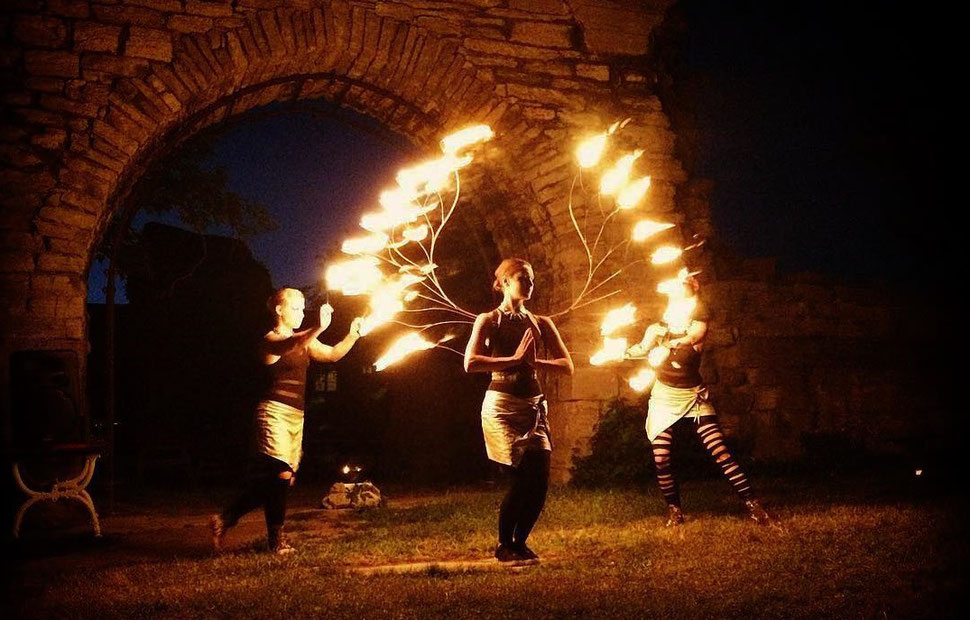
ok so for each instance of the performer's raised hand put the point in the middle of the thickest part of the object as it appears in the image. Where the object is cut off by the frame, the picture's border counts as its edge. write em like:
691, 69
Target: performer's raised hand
356, 326
326, 315
526, 351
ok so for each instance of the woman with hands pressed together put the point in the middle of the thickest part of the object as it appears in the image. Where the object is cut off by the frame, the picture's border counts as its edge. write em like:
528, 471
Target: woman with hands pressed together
514, 411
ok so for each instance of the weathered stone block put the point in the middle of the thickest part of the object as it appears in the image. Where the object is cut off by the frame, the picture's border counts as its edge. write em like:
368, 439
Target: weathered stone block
149, 43
139, 16
169, 6
95, 37
213, 8
69, 8
502, 48
551, 7
16, 261
40, 31
543, 34
593, 72
58, 64
113, 65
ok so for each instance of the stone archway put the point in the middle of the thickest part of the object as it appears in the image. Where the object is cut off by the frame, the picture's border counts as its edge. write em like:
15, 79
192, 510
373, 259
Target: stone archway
93, 92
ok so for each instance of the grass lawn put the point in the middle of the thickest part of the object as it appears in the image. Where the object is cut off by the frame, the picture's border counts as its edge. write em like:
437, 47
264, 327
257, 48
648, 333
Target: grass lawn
853, 550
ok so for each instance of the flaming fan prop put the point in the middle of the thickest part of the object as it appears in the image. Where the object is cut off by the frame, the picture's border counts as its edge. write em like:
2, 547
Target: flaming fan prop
393, 262
619, 184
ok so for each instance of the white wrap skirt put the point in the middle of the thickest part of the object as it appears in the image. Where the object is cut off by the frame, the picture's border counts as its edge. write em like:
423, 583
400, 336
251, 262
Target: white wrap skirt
279, 432
512, 425
669, 404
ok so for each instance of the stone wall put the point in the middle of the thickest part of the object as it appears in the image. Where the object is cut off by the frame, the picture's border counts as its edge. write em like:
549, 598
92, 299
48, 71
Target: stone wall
95, 90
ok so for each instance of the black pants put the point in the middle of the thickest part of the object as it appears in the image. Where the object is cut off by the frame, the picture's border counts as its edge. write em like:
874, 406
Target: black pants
265, 488
525, 499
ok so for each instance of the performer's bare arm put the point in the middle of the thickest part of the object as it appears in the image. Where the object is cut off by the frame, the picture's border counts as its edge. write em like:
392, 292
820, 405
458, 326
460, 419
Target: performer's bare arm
476, 358
653, 334
275, 346
693, 338
320, 352
560, 361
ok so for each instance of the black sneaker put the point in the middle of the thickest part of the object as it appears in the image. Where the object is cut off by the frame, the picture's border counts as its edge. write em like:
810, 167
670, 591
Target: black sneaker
527, 554
507, 554
675, 516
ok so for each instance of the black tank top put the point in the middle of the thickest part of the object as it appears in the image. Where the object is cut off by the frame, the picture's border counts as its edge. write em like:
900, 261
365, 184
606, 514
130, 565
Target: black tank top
517, 380
682, 368
287, 378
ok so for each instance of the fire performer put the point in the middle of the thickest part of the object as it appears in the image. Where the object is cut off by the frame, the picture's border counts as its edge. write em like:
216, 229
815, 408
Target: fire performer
278, 421
679, 392
514, 411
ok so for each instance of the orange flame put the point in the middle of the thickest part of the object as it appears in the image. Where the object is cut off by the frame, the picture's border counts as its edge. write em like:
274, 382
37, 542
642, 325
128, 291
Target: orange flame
642, 380
617, 318
401, 348
633, 193
613, 351
591, 150
451, 144
354, 277
665, 254
614, 178
644, 229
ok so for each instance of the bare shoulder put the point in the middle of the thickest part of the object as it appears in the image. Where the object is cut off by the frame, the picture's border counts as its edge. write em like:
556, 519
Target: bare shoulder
545, 321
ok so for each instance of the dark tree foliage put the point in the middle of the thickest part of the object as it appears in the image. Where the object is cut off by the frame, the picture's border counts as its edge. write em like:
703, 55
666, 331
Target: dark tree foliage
187, 362
619, 450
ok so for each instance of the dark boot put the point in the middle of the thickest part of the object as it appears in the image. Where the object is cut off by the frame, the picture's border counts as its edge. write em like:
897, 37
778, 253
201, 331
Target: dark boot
758, 514
277, 541
217, 528
675, 516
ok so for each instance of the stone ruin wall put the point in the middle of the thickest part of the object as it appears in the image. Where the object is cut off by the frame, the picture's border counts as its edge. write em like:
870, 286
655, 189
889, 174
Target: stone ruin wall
93, 89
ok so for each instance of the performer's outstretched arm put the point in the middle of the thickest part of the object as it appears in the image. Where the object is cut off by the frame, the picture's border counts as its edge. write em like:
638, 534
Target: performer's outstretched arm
320, 352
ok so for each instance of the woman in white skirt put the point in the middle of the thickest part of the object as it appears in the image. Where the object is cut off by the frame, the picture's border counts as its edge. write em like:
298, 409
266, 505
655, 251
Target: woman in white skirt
278, 423
514, 411
678, 393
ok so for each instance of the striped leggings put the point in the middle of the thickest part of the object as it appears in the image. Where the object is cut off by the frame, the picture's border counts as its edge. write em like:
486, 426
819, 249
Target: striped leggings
712, 437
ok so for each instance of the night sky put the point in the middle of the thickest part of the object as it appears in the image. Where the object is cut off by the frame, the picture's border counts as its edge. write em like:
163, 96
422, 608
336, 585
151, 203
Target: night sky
821, 127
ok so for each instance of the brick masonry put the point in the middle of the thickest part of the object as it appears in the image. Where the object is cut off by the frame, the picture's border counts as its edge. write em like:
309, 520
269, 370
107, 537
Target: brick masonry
94, 90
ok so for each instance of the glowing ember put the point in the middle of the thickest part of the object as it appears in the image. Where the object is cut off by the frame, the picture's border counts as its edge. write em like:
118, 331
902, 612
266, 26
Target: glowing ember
642, 380
612, 351
466, 137
657, 356
415, 233
665, 254
401, 348
617, 318
678, 314
614, 178
645, 229
591, 150
371, 244
354, 277
632, 194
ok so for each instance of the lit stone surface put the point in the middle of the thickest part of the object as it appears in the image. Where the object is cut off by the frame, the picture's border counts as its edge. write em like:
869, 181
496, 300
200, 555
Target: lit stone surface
94, 90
